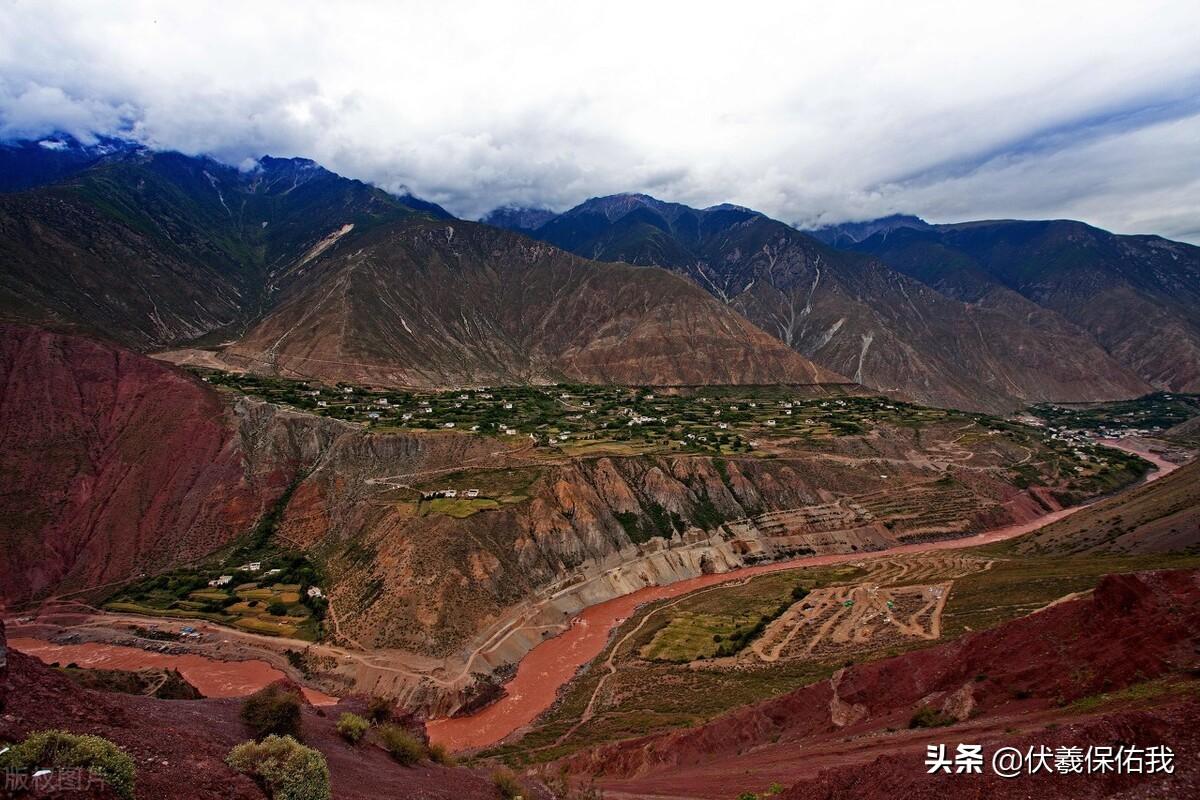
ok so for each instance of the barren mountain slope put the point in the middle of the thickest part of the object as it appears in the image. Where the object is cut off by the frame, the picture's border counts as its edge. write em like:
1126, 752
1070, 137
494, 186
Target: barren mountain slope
852, 314
1138, 296
156, 249
1158, 517
114, 464
425, 303
184, 743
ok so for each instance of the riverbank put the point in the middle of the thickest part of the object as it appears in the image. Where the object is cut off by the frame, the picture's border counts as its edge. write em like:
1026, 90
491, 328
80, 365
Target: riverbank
212, 677
552, 663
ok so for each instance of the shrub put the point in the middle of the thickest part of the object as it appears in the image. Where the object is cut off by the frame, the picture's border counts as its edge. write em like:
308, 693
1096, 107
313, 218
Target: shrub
272, 710
352, 727
277, 609
379, 710
284, 768
62, 750
404, 747
440, 755
507, 784
929, 717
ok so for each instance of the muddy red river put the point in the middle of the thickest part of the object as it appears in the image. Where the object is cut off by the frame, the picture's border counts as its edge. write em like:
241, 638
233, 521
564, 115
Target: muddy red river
212, 677
549, 665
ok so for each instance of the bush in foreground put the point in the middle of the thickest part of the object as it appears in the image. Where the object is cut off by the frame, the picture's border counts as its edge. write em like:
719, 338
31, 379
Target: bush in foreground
404, 747
61, 750
438, 754
929, 717
284, 768
272, 710
379, 710
507, 784
352, 727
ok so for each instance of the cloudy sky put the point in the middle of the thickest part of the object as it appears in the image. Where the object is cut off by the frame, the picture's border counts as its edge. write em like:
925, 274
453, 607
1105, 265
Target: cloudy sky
809, 112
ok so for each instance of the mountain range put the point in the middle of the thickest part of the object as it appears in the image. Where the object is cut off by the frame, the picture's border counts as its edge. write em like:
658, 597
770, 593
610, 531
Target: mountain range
310, 274
907, 327
287, 268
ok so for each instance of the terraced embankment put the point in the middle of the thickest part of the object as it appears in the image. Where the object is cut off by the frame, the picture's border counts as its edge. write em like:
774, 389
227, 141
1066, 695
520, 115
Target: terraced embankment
551, 664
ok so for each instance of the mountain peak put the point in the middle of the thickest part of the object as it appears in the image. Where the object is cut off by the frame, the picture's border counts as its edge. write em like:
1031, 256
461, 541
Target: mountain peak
518, 218
845, 234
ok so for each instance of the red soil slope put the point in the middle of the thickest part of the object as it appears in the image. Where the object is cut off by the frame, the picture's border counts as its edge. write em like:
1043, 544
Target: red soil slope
997, 683
110, 463
179, 746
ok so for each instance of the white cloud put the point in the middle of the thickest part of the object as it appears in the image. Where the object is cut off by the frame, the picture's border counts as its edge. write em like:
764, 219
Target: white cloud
804, 111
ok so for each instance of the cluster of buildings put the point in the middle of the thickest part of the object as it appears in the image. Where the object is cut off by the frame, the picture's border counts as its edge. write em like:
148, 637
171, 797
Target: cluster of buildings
449, 493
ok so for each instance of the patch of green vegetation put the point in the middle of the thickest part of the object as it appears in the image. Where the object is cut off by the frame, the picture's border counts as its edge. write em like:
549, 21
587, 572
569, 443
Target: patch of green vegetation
62, 750
692, 635
930, 717
459, 507
405, 748
1018, 584
1137, 693
352, 727
1150, 413
286, 769
272, 710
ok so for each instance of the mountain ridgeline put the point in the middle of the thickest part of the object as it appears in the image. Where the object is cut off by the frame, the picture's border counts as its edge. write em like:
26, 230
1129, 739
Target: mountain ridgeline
889, 328
298, 271
1138, 297
290, 269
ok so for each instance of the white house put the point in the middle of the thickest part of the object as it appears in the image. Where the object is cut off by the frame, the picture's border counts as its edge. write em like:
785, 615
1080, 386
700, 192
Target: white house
472, 493
510, 431
508, 406
451, 493
447, 424
770, 423
314, 591
221, 581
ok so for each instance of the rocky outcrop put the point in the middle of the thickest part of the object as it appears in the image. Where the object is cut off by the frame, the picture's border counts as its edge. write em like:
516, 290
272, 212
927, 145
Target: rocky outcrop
115, 465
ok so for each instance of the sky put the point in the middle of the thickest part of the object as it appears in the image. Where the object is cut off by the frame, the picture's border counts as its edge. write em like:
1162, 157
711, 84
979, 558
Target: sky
812, 113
